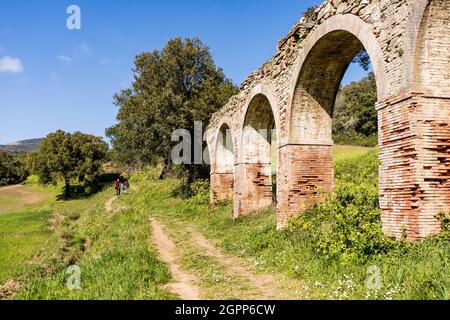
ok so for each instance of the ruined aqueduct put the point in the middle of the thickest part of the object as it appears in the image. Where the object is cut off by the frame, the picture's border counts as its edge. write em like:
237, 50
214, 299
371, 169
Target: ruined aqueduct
294, 93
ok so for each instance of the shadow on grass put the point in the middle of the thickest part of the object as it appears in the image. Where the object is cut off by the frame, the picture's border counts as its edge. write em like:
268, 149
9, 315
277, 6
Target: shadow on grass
80, 192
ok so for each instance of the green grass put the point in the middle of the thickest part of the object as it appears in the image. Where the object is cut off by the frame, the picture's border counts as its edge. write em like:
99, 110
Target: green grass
114, 254
40, 240
21, 234
348, 152
19, 198
332, 247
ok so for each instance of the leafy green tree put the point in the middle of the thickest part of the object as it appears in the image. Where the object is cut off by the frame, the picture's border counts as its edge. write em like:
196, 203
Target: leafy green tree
13, 168
355, 116
363, 59
171, 89
72, 158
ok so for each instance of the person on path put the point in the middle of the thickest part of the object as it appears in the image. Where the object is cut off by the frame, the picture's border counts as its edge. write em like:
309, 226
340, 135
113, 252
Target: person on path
118, 187
126, 186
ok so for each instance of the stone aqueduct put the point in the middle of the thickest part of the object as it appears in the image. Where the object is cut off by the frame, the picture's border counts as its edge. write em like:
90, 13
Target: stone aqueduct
294, 93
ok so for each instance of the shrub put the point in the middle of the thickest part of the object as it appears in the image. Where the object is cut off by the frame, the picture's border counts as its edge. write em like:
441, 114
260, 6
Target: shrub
200, 199
347, 226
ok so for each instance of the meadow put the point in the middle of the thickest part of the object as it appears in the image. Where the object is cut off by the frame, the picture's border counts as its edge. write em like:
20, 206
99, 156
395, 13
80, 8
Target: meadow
40, 241
333, 251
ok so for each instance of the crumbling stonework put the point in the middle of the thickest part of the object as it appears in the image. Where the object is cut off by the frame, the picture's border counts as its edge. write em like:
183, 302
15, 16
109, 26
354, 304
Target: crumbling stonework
408, 42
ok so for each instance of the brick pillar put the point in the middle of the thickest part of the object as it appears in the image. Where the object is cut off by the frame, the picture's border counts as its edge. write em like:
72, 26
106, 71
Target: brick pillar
222, 187
253, 188
415, 164
305, 173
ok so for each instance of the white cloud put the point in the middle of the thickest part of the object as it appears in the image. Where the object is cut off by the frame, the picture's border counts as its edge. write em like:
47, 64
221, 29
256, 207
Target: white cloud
64, 59
85, 48
11, 65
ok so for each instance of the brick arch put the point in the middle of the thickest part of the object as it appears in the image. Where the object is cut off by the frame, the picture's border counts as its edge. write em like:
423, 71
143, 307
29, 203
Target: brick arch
349, 28
260, 90
431, 67
307, 159
431, 83
223, 163
412, 34
254, 189
224, 137
413, 108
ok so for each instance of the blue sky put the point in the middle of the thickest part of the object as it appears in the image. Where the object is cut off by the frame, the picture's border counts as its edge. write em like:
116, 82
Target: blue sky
54, 78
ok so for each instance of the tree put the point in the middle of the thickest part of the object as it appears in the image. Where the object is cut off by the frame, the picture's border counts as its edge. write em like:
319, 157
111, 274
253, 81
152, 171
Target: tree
363, 59
355, 116
171, 89
13, 168
72, 158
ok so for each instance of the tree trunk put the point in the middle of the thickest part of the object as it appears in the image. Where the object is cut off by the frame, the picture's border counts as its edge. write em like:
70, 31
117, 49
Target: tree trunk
67, 189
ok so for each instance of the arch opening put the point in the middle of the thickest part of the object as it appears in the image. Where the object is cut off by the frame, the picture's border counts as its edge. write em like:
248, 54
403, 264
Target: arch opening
225, 151
259, 157
222, 178
318, 85
308, 174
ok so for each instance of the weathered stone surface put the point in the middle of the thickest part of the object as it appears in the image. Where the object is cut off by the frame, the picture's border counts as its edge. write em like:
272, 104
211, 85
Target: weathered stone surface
409, 45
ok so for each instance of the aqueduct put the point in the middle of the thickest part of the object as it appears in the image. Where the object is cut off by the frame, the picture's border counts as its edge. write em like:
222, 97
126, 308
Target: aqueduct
294, 93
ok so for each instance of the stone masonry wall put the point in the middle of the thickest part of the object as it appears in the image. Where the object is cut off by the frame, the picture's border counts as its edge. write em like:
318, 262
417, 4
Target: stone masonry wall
408, 42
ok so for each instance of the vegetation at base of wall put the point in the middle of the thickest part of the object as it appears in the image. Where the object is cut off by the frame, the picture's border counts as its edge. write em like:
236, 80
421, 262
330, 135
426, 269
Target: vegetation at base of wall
335, 245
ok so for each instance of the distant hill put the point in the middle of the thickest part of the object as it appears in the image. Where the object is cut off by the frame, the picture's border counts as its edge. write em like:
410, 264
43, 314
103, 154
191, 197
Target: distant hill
31, 145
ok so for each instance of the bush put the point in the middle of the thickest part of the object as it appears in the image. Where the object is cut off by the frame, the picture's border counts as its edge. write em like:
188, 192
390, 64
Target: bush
347, 226
13, 168
201, 196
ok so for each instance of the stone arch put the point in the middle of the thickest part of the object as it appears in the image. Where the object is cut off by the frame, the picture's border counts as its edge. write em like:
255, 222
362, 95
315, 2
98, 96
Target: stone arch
223, 163
307, 158
352, 35
412, 30
259, 120
431, 67
431, 84
224, 148
261, 92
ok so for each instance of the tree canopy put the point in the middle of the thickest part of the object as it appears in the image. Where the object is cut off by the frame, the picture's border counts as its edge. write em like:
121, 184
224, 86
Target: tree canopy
72, 158
355, 116
172, 88
13, 167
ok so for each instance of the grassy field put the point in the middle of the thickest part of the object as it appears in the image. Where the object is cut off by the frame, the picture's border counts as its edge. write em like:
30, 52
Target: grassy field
39, 241
348, 152
328, 252
24, 215
333, 248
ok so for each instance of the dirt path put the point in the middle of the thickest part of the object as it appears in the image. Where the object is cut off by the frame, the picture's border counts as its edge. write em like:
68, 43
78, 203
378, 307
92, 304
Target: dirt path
109, 204
184, 283
261, 286
266, 284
